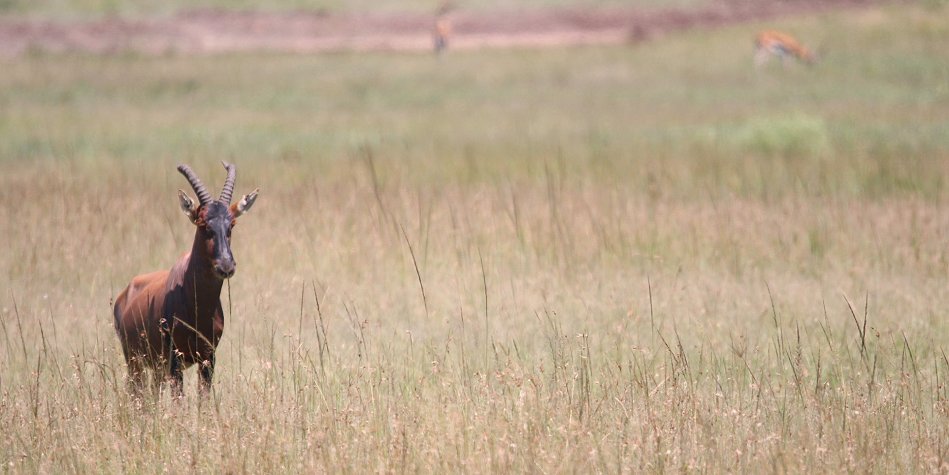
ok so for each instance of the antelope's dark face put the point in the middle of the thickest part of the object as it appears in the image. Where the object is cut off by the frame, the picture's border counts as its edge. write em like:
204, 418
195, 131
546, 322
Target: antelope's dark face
215, 223
215, 219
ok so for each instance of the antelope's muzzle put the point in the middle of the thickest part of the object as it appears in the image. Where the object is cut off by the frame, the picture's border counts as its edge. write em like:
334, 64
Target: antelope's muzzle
225, 269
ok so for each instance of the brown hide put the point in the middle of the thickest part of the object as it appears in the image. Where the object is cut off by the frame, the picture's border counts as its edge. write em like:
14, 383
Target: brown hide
186, 298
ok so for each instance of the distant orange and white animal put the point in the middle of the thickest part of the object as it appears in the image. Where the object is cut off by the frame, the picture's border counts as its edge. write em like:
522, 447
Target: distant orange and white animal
171, 319
772, 43
441, 29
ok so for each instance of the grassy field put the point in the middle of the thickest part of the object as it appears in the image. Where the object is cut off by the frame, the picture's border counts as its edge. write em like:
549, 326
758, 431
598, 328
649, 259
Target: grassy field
612, 259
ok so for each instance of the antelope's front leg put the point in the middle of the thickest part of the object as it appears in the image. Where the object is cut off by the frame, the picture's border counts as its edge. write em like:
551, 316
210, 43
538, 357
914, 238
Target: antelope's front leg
177, 377
207, 372
174, 362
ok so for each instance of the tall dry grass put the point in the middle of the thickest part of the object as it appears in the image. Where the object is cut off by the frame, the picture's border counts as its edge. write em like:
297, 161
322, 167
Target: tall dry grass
557, 328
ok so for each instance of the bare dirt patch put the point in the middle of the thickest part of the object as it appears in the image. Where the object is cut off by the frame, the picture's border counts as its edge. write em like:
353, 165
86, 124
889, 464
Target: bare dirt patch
212, 31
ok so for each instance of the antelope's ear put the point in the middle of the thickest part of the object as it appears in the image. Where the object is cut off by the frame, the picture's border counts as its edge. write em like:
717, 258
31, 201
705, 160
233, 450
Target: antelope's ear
244, 204
188, 206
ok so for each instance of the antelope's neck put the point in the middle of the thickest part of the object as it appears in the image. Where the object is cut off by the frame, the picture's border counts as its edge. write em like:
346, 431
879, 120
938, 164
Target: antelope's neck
202, 288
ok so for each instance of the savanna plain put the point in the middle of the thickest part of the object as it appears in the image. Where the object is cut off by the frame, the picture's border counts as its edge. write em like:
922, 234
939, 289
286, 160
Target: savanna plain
638, 258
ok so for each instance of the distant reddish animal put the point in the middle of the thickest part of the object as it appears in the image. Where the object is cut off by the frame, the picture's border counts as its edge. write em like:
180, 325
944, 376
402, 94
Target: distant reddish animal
441, 30
169, 320
771, 43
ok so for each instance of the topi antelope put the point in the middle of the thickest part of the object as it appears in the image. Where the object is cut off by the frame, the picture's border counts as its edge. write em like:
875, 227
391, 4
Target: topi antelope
781, 45
171, 319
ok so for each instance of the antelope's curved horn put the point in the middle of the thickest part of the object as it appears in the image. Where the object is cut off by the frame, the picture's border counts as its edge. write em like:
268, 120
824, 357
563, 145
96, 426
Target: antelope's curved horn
203, 196
228, 189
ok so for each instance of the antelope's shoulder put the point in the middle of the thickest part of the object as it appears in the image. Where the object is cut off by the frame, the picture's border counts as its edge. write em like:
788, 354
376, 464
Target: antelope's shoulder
142, 284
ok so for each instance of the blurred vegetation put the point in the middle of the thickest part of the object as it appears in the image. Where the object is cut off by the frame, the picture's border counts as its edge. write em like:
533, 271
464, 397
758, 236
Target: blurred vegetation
689, 111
